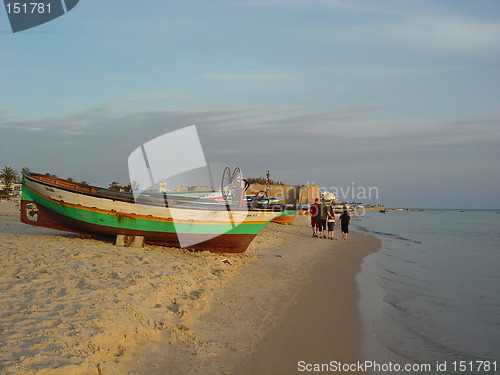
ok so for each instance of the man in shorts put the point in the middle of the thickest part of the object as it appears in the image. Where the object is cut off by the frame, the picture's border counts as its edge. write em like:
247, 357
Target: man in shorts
314, 217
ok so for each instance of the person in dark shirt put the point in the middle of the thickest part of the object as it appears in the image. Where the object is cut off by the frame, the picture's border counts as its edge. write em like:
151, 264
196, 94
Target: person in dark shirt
345, 220
314, 217
322, 213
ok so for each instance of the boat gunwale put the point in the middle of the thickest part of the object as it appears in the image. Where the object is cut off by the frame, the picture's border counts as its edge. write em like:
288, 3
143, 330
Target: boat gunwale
137, 216
88, 191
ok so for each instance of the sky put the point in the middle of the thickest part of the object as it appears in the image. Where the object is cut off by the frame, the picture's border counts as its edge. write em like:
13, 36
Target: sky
401, 96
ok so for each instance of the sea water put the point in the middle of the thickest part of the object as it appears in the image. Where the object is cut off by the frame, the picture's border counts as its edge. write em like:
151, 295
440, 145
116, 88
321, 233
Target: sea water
431, 294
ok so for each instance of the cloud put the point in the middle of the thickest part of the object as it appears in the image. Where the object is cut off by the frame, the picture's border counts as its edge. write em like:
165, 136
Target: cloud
432, 33
263, 80
298, 145
102, 137
265, 75
424, 28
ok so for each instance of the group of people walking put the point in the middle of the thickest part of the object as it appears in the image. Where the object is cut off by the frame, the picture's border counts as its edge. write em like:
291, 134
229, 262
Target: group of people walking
323, 220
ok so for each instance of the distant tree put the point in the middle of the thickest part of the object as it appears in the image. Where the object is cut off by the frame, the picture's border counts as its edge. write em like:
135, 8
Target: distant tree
115, 186
69, 179
8, 175
84, 183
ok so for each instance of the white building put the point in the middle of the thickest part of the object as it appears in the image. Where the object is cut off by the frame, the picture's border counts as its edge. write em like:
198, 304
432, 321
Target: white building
16, 188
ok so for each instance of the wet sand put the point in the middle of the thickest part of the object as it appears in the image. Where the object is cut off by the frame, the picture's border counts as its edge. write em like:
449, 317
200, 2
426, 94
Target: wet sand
74, 306
324, 324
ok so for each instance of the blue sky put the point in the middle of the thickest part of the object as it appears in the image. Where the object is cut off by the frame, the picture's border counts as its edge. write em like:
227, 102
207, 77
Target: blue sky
400, 95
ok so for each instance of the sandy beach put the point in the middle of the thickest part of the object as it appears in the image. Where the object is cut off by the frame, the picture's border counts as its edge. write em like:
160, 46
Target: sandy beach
79, 306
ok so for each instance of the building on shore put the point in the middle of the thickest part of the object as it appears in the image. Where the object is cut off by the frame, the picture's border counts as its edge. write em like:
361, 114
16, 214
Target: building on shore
290, 194
15, 189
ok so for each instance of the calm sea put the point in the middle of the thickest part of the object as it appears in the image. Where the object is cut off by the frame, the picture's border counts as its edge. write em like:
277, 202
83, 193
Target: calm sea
432, 293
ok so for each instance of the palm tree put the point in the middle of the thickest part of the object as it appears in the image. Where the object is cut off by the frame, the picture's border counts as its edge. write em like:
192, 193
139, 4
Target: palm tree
114, 186
8, 175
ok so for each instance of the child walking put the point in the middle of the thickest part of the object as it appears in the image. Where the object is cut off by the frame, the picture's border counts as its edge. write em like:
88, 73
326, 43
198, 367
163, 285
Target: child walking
330, 221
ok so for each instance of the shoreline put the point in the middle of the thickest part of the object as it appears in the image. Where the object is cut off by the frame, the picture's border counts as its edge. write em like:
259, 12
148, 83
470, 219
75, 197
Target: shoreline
324, 324
86, 306
372, 306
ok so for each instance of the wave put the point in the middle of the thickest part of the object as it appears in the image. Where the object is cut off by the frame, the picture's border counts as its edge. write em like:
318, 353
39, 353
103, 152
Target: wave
392, 235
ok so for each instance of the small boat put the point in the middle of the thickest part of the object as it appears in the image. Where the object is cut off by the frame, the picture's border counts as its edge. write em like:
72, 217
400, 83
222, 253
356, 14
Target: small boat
262, 199
339, 208
178, 221
286, 217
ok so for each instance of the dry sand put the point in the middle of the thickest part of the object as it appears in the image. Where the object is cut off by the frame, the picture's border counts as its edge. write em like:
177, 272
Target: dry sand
74, 306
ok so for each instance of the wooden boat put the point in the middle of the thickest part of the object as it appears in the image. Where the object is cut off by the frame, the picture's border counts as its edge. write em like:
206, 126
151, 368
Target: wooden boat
286, 217
59, 204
